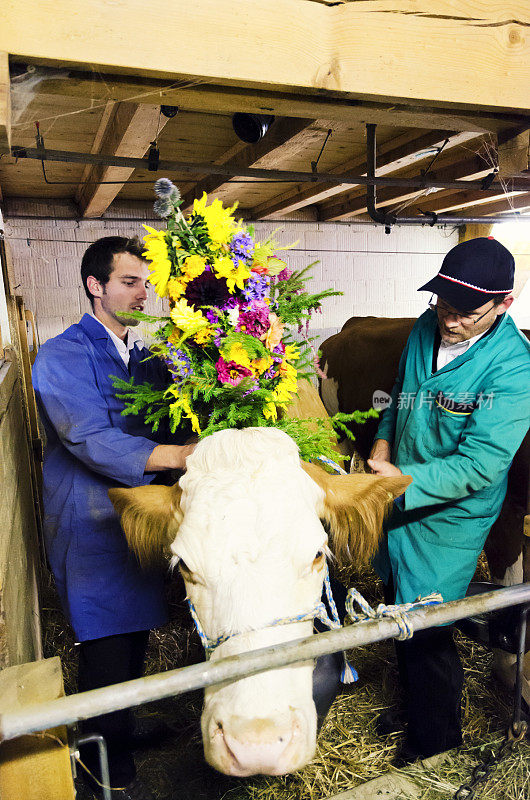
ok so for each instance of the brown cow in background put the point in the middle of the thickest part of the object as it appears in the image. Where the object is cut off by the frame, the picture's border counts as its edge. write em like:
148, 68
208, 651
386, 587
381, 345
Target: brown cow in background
362, 359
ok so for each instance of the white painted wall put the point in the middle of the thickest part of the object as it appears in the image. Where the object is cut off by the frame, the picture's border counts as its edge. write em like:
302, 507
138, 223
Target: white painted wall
378, 273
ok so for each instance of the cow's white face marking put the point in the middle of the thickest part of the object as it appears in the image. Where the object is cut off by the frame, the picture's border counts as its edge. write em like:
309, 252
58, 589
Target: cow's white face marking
251, 547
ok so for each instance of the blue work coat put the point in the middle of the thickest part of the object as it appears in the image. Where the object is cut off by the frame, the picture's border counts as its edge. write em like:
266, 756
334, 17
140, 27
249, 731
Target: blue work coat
90, 448
455, 431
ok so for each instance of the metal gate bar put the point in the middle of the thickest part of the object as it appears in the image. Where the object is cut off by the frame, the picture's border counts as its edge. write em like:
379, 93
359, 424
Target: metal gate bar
67, 710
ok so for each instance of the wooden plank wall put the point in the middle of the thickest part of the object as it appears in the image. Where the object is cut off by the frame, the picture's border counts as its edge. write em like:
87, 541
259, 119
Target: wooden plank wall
20, 638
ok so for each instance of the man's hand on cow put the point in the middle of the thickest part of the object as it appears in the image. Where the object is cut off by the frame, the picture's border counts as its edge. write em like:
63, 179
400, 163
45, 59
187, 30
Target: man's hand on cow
380, 450
169, 456
383, 468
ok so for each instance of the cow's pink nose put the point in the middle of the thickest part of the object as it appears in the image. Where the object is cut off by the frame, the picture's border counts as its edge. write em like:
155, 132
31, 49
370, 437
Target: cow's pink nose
258, 745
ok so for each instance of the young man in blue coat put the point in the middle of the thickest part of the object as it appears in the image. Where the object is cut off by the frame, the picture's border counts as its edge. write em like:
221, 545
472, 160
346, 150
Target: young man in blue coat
460, 409
110, 601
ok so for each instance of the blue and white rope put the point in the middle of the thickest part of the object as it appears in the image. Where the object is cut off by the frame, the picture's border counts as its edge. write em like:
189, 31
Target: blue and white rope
332, 464
399, 613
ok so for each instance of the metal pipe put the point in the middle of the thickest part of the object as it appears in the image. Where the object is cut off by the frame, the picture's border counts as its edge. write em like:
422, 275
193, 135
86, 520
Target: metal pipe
67, 710
518, 184
519, 668
383, 217
388, 219
97, 738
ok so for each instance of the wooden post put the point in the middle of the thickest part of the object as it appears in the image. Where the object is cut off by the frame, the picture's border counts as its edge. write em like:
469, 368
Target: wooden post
37, 766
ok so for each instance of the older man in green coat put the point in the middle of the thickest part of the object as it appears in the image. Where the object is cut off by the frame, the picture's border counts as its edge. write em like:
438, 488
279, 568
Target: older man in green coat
460, 409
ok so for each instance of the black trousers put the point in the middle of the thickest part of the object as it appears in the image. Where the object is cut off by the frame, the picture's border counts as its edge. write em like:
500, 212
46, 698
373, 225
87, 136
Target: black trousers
112, 659
432, 678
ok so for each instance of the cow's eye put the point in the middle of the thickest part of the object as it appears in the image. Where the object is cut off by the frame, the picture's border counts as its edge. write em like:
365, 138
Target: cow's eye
319, 559
186, 572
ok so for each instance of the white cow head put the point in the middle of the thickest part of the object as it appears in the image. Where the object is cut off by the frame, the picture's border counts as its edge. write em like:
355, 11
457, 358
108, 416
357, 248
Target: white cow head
245, 527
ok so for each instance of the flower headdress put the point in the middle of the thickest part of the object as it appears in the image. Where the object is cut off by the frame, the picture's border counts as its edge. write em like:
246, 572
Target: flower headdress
227, 345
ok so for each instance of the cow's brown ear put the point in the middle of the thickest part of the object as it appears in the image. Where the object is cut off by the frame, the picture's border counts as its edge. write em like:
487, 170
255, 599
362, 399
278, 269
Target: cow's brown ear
150, 517
354, 508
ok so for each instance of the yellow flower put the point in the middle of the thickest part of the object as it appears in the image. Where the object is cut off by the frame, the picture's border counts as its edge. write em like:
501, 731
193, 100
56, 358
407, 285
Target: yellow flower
203, 336
156, 252
238, 354
193, 267
292, 353
220, 222
175, 288
182, 405
270, 412
185, 318
235, 276
261, 365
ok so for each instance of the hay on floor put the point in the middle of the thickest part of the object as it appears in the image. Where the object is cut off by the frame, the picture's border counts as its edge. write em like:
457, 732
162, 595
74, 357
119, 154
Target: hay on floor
349, 751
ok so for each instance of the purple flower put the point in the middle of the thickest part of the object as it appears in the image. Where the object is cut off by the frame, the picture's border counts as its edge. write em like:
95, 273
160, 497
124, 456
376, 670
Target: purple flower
284, 275
257, 287
179, 364
207, 290
254, 319
241, 248
212, 315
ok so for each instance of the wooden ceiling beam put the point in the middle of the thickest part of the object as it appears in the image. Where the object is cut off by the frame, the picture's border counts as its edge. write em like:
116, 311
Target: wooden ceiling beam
5, 104
294, 43
468, 169
514, 154
409, 148
450, 200
285, 138
126, 129
192, 95
503, 204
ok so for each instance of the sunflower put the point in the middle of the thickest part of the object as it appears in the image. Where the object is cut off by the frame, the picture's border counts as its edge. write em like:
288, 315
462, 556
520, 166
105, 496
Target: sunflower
156, 251
220, 221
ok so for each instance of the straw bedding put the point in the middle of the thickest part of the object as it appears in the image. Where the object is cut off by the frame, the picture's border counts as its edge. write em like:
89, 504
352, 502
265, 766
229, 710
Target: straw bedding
349, 751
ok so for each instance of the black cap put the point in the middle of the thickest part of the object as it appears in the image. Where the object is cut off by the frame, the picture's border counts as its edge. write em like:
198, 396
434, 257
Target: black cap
472, 273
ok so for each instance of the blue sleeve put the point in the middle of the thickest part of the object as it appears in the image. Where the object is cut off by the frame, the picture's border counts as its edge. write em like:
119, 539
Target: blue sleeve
75, 408
387, 426
486, 449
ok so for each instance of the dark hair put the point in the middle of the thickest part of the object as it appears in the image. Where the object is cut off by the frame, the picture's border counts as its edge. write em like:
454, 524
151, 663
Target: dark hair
97, 259
498, 298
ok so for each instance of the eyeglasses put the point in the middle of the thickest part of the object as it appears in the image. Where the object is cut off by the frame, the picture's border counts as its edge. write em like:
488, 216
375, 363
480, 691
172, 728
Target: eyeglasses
465, 318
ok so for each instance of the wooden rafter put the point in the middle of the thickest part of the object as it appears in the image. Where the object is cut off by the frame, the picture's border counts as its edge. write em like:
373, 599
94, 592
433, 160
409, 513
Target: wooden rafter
216, 99
352, 205
285, 137
127, 129
407, 149
504, 204
449, 200
474, 45
5, 104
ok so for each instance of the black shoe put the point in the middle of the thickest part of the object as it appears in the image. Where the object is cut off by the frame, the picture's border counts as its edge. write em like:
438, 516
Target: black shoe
389, 722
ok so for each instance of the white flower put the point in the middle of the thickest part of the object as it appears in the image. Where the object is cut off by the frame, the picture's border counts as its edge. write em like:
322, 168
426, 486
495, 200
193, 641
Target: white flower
233, 316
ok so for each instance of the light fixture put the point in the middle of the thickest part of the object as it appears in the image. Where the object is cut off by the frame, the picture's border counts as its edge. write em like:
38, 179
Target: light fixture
169, 111
251, 128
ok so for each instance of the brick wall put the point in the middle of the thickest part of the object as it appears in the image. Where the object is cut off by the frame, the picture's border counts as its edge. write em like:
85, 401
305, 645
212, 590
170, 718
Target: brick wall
378, 273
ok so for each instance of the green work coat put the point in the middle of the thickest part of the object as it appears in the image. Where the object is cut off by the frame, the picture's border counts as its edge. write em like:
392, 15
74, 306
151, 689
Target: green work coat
455, 431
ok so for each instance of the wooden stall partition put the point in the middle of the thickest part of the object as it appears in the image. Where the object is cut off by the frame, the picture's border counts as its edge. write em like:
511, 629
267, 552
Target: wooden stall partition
20, 632
37, 766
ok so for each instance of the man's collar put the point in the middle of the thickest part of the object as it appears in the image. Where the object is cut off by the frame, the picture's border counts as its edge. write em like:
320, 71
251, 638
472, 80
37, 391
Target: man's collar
122, 345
